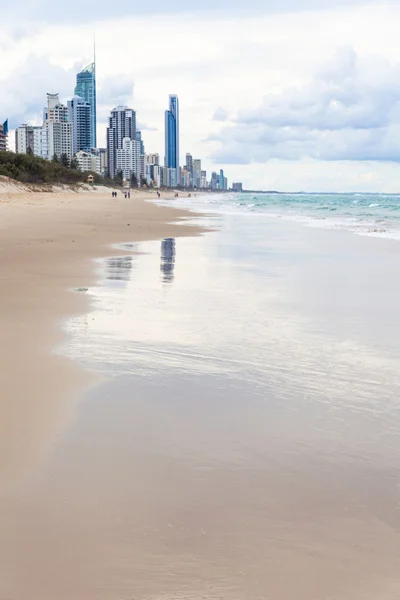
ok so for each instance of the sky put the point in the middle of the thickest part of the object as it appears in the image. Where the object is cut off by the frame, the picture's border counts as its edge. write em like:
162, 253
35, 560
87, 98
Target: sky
295, 95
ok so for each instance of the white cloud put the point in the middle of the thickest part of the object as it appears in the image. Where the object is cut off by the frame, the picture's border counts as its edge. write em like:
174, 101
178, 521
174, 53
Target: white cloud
349, 111
221, 114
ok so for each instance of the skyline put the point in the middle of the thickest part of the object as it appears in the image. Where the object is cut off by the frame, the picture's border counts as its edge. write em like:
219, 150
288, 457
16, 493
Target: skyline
65, 136
319, 112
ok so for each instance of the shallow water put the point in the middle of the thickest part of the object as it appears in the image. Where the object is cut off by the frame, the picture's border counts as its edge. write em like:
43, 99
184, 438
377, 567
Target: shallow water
246, 443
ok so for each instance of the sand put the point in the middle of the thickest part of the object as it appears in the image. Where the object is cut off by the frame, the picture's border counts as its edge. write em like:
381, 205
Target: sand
47, 241
244, 445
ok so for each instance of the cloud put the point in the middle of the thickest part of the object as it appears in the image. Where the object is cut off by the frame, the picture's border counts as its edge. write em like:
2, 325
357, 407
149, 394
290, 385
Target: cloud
220, 114
38, 76
116, 89
144, 127
350, 110
83, 11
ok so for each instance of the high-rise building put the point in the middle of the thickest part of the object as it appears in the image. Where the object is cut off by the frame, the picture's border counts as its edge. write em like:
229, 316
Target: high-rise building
79, 113
186, 178
142, 155
121, 125
3, 136
57, 137
129, 160
214, 181
203, 181
152, 169
86, 89
172, 136
153, 159
156, 175
139, 139
168, 177
28, 138
189, 163
221, 180
102, 154
196, 172
3, 139
237, 187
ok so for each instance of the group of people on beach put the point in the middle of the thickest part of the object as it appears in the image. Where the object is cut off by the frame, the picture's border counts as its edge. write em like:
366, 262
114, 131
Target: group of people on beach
127, 195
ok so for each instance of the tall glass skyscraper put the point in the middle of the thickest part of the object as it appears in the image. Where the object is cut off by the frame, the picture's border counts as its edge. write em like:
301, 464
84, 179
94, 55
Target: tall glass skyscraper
79, 113
86, 89
172, 136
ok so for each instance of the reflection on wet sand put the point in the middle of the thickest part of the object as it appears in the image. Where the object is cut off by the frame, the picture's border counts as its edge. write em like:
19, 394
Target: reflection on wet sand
167, 264
119, 268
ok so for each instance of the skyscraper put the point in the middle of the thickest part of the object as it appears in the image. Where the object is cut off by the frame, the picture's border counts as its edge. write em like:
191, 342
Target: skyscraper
172, 136
196, 172
79, 113
121, 125
28, 138
129, 160
3, 136
86, 89
221, 180
189, 163
57, 138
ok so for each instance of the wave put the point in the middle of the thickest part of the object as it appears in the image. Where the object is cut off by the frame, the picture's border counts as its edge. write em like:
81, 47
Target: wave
380, 218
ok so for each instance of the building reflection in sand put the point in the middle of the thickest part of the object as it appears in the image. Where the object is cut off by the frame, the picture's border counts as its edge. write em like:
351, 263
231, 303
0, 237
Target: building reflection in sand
167, 264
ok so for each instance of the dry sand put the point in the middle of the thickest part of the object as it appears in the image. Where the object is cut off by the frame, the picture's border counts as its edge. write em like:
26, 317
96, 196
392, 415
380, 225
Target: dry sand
47, 241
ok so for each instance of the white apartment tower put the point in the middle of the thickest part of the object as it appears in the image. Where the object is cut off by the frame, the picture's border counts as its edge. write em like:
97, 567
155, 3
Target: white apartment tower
129, 159
57, 131
28, 138
197, 173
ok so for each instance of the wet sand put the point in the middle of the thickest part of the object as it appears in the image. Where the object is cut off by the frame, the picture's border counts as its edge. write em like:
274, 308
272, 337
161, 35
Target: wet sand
244, 441
47, 241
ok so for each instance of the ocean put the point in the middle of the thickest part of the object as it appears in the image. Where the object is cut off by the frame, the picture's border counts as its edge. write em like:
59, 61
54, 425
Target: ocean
375, 215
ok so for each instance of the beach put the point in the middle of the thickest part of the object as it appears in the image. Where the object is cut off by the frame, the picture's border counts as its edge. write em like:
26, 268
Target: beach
48, 241
194, 415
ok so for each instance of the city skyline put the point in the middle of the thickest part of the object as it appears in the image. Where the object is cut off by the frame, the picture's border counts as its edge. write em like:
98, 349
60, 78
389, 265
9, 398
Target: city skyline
67, 130
66, 134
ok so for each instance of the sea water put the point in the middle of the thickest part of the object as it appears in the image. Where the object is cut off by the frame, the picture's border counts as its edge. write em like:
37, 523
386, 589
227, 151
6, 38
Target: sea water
366, 214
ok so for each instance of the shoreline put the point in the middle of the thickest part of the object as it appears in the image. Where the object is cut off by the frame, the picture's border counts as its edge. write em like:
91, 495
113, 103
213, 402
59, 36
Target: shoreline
48, 241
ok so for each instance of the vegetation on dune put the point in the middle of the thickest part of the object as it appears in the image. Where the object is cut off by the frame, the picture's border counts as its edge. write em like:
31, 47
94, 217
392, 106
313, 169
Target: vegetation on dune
28, 168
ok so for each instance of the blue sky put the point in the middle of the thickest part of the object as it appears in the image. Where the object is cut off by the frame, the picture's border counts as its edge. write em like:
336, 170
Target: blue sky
295, 95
